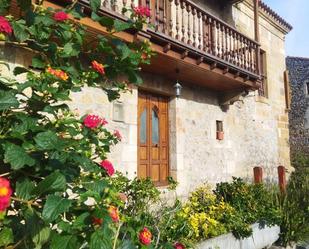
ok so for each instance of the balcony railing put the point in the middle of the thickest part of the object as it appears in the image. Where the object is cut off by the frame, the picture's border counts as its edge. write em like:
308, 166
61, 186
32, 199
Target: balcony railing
188, 24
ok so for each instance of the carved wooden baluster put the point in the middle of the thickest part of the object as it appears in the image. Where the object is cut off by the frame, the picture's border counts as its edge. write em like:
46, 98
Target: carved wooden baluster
231, 47
210, 35
157, 15
205, 30
199, 16
183, 29
194, 27
124, 3
227, 39
165, 23
254, 58
223, 45
170, 18
238, 49
214, 37
189, 24
219, 48
249, 56
105, 3
246, 53
115, 6
177, 20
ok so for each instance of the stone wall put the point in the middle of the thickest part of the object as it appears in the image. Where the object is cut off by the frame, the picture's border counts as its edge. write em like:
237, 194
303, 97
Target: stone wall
255, 128
299, 114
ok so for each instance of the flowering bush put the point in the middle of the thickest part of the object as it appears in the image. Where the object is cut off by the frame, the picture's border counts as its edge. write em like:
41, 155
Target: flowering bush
56, 193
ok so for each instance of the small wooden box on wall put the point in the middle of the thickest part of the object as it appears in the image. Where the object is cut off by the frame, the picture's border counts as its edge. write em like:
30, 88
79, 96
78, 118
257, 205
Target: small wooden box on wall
220, 132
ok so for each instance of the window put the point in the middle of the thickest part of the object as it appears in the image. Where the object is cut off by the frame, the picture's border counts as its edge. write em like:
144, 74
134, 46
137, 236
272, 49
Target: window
287, 90
219, 125
263, 91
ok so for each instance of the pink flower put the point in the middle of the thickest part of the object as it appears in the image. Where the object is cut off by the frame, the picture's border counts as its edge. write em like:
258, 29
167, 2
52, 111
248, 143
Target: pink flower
60, 16
5, 26
97, 221
5, 193
145, 236
179, 245
94, 121
142, 11
108, 166
98, 67
117, 135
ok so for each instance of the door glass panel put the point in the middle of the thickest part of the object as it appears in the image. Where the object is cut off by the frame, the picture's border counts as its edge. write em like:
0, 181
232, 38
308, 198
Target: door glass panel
143, 127
155, 127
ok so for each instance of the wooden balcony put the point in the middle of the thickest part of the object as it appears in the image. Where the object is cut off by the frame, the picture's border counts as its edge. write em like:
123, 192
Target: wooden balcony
205, 50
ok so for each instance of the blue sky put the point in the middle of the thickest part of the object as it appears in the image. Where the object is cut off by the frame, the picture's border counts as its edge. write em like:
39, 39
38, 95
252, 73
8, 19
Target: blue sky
295, 12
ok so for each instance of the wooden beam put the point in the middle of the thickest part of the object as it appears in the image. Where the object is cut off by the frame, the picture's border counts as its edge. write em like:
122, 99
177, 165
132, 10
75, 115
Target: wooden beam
257, 33
199, 60
213, 66
167, 48
184, 54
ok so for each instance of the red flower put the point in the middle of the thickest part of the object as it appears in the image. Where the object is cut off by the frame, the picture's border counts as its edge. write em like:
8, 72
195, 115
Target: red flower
145, 236
179, 245
58, 73
5, 26
60, 16
108, 166
5, 194
98, 67
142, 11
117, 135
97, 221
113, 213
94, 121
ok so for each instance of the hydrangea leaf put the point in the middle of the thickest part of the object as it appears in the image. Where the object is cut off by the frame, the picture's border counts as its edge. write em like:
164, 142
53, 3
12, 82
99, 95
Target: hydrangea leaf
17, 156
7, 100
54, 206
65, 241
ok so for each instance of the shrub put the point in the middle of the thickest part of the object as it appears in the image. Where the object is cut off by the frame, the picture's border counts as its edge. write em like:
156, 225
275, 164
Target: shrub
252, 203
294, 204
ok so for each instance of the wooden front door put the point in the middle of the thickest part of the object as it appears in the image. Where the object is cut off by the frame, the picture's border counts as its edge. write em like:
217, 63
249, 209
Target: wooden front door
153, 137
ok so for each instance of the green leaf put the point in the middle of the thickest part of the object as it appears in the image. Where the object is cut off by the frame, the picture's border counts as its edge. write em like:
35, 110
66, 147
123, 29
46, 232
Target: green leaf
134, 77
52, 183
6, 237
20, 70
7, 100
41, 237
20, 30
107, 22
24, 189
95, 5
64, 241
127, 244
81, 221
37, 62
48, 140
70, 49
121, 25
54, 206
98, 240
96, 186
122, 49
17, 156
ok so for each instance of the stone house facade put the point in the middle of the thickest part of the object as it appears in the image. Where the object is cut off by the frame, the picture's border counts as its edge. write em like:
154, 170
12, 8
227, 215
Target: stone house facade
231, 114
299, 114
